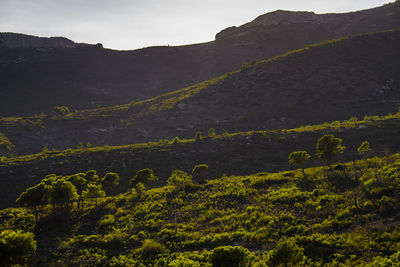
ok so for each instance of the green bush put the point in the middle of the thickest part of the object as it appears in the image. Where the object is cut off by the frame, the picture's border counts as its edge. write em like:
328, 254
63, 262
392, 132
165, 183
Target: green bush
228, 256
16, 246
151, 248
286, 253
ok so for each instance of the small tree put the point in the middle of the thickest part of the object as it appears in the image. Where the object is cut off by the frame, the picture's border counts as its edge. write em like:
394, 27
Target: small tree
198, 136
179, 177
61, 110
364, 149
176, 140
200, 172
92, 177
79, 182
63, 192
16, 247
34, 197
110, 180
211, 132
79, 145
143, 176
299, 158
329, 147
93, 192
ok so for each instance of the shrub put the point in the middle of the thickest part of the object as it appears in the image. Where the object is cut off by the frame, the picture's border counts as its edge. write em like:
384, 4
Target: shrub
143, 176
200, 172
176, 140
179, 177
63, 192
198, 136
61, 110
15, 246
211, 132
91, 177
286, 253
151, 248
229, 256
93, 191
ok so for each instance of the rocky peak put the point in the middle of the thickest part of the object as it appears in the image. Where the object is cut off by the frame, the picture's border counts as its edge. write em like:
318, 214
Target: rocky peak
282, 16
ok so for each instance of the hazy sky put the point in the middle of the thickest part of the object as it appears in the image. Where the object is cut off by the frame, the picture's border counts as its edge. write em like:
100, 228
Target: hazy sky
130, 24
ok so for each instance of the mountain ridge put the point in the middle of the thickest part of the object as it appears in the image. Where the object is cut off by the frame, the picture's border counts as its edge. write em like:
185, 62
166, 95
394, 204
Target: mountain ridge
86, 77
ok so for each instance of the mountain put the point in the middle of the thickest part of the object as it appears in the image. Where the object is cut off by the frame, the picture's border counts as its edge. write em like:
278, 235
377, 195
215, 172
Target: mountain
333, 80
81, 76
15, 40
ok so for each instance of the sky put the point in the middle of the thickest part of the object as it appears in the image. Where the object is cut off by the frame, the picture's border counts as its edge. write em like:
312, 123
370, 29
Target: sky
132, 24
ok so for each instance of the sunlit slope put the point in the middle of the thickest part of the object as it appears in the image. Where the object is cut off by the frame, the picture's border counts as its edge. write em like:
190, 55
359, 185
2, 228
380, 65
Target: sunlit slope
233, 153
333, 80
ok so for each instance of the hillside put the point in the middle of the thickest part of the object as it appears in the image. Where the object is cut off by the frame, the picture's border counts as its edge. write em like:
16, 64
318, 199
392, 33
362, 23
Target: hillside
348, 218
228, 153
15, 40
81, 77
333, 80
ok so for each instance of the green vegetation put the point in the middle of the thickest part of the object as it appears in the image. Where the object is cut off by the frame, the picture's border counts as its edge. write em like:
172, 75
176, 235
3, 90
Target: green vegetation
338, 214
5, 143
144, 176
329, 147
264, 219
200, 172
16, 247
299, 158
274, 219
61, 110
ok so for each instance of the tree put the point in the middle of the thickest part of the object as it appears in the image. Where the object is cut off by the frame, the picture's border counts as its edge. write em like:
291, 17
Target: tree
364, 149
176, 140
61, 110
299, 158
286, 253
91, 177
79, 182
228, 256
329, 147
93, 191
211, 132
111, 180
179, 177
16, 246
198, 136
63, 192
143, 176
200, 172
34, 197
